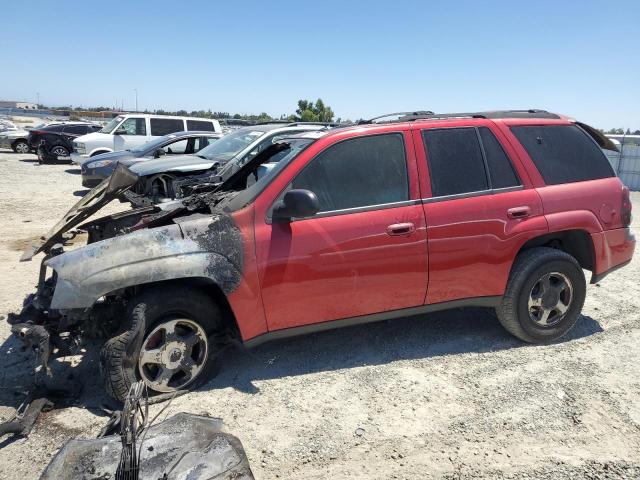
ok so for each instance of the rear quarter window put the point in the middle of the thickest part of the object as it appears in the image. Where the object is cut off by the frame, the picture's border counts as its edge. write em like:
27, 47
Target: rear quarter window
200, 125
563, 153
164, 126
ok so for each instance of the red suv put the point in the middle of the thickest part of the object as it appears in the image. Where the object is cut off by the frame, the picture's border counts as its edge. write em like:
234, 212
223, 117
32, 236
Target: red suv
352, 225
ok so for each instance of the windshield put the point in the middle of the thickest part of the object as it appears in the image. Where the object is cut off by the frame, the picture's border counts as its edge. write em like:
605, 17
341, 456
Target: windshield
283, 158
231, 144
152, 145
111, 126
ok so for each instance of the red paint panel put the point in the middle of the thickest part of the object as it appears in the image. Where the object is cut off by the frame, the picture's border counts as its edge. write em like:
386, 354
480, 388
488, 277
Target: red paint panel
473, 242
342, 266
602, 199
246, 301
612, 248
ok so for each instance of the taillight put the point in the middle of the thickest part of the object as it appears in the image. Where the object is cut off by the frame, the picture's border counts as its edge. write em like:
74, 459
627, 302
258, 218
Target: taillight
625, 211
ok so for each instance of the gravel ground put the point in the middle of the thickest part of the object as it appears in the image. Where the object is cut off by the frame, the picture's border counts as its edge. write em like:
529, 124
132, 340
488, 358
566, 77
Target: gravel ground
448, 395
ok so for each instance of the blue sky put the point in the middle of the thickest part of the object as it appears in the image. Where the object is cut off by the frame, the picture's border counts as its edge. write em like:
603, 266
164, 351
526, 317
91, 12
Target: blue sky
362, 58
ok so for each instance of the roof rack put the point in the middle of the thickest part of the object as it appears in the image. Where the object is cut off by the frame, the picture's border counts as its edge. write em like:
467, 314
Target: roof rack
396, 114
323, 124
494, 114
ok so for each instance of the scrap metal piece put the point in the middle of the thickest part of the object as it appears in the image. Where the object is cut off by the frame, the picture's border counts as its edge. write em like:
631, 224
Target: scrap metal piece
121, 180
25, 417
184, 446
38, 337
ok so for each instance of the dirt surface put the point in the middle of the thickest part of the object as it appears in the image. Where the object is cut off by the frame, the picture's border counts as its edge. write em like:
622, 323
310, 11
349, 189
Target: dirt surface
448, 395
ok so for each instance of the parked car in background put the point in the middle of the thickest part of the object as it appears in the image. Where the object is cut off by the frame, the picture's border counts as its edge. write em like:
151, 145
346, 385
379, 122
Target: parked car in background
53, 141
16, 139
95, 169
239, 146
129, 131
365, 223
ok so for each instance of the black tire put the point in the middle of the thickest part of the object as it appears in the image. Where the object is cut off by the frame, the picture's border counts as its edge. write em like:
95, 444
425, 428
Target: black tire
119, 355
528, 268
57, 149
20, 146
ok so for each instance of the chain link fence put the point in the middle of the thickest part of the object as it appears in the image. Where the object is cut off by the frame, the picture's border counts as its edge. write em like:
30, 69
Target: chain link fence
626, 163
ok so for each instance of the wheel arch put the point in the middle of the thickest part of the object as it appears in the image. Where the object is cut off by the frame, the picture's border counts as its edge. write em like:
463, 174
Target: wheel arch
99, 151
205, 285
575, 242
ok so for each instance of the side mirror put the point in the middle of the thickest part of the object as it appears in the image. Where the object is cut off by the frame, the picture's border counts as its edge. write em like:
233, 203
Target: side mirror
158, 153
121, 131
296, 203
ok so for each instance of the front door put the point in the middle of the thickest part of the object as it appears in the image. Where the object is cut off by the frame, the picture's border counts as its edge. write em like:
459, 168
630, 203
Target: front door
365, 251
133, 133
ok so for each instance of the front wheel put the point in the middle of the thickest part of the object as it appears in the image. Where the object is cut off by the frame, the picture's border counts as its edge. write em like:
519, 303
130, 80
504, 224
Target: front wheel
544, 296
20, 146
167, 343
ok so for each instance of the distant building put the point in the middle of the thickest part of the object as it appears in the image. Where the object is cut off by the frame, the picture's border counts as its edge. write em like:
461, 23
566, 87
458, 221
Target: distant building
25, 105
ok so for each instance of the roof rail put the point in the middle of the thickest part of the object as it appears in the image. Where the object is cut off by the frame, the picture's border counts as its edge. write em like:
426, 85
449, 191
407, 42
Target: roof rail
323, 124
396, 114
494, 114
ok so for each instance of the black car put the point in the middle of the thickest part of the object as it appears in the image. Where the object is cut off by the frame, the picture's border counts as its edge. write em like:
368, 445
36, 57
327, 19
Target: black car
54, 141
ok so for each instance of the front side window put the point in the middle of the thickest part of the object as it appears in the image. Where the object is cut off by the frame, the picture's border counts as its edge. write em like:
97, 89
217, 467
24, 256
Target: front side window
563, 153
455, 161
165, 126
178, 147
200, 126
134, 126
358, 172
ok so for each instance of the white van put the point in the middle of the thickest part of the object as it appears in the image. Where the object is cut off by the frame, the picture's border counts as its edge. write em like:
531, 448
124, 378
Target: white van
132, 130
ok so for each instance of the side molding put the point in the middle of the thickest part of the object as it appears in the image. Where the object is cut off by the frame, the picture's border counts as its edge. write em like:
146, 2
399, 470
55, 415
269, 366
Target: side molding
375, 317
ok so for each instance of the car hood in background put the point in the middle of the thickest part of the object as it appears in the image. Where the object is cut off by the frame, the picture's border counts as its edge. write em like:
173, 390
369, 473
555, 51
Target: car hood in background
93, 137
14, 133
114, 156
173, 163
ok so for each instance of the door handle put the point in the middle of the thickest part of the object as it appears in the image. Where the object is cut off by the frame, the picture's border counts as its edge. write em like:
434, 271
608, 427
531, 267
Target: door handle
519, 212
401, 229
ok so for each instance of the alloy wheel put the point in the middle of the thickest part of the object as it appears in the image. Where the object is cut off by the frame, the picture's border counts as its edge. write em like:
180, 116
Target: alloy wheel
60, 152
550, 299
173, 355
22, 147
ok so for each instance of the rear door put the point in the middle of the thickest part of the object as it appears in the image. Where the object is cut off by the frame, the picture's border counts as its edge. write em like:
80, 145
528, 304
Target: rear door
480, 208
365, 251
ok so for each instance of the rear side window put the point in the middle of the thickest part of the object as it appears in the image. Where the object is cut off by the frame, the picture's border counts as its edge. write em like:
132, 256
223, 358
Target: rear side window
200, 125
358, 172
500, 169
164, 126
455, 161
75, 129
563, 153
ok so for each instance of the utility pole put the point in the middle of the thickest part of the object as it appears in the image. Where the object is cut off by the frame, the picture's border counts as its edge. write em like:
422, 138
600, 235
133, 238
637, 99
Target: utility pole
38, 101
136, 90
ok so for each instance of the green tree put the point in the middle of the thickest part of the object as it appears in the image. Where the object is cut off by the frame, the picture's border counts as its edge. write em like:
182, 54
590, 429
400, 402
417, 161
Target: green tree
307, 111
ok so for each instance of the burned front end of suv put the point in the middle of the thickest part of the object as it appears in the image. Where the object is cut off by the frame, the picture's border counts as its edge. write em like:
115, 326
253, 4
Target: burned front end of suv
82, 293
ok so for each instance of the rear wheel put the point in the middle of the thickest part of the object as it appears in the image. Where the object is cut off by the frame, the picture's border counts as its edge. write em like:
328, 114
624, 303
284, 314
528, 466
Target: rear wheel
167, 345
60, 151
544, 296
20, 146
